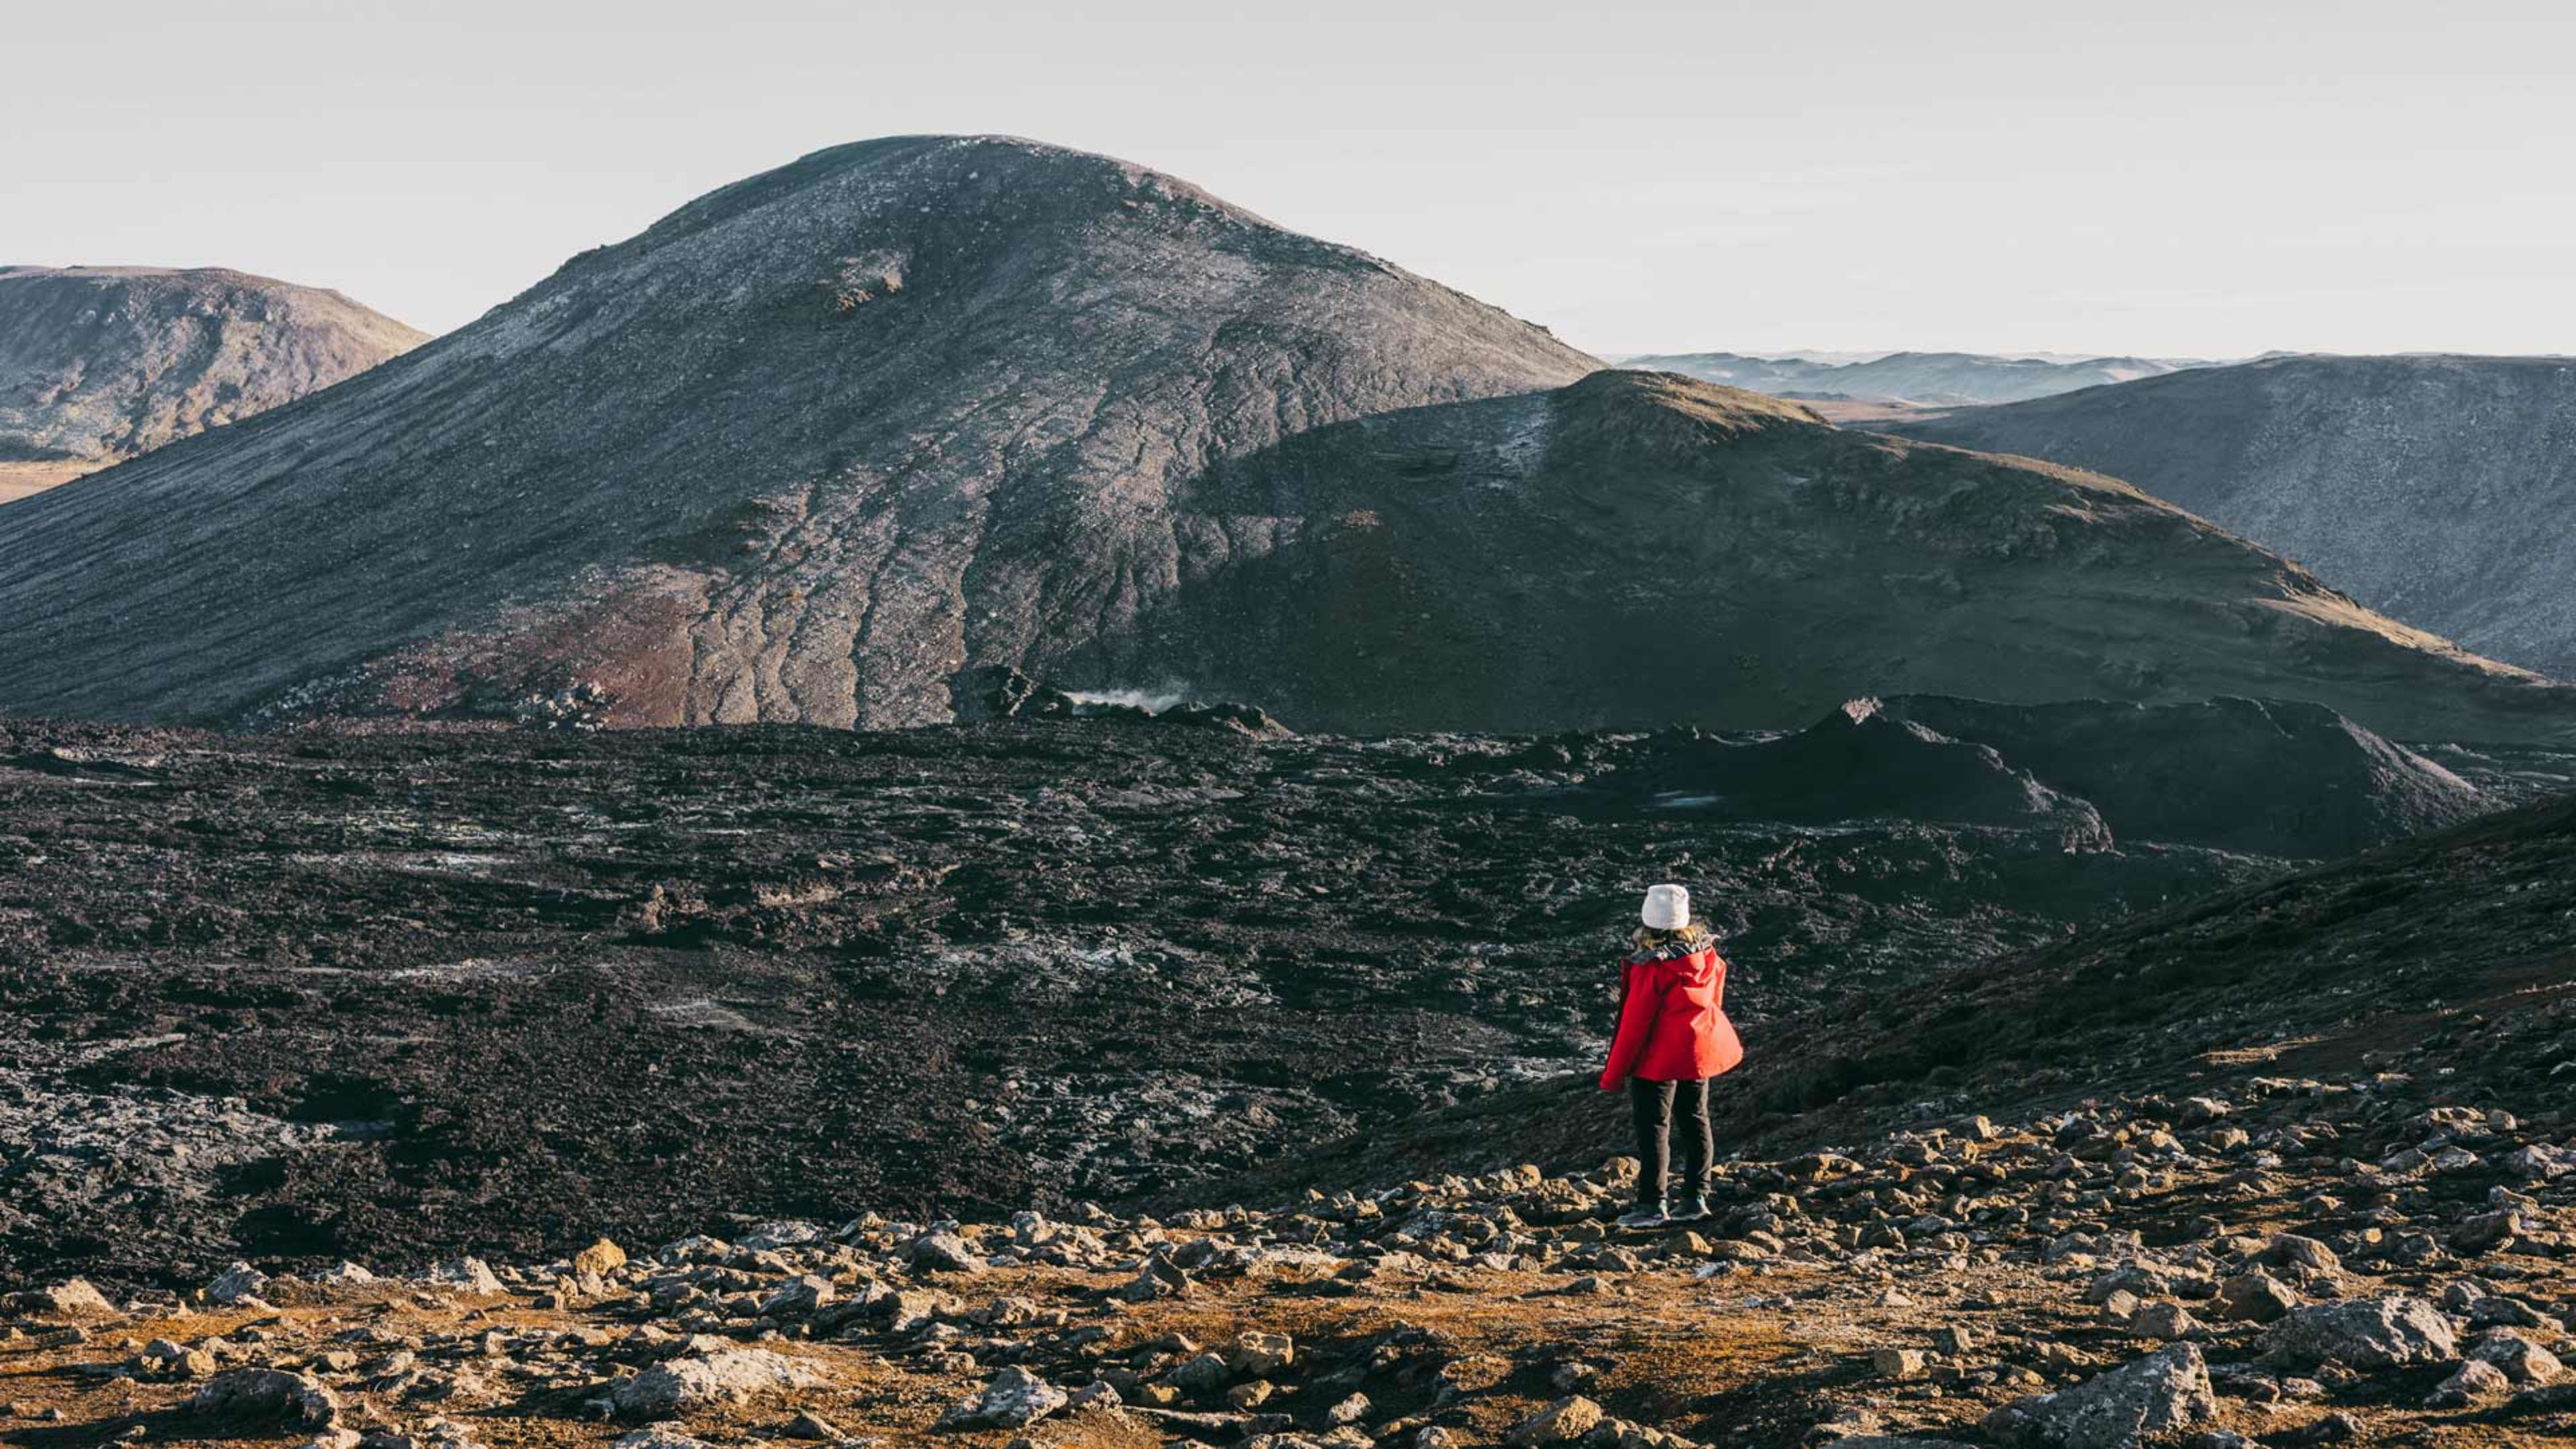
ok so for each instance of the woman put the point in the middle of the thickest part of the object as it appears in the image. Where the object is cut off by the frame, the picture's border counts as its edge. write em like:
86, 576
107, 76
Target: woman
1673, 1036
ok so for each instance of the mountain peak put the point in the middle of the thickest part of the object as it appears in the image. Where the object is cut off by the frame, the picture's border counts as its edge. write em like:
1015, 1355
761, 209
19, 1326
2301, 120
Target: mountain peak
803, 450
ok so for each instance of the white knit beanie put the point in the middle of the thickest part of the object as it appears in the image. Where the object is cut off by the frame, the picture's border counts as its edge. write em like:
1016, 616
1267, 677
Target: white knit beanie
1667, 908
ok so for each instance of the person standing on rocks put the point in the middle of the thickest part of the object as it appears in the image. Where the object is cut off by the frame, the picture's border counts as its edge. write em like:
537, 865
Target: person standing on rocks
1673, 1036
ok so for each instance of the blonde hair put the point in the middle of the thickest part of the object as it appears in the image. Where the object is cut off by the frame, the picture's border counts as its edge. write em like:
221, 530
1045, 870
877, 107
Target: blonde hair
1694, 935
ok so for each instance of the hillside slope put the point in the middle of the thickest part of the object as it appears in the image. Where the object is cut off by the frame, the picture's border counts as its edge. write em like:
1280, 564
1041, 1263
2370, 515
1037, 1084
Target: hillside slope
2441, 490
102, 364
798, 452
1640, 548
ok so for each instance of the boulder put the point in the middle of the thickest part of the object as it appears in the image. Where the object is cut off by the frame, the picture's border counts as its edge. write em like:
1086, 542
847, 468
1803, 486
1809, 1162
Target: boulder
945, 1252
71, 1298
235, 1284
706, 1379
599, 1259
2523, 1360
1159, 1278
472, 1275
1260, 1354
2365, 1333
2164, 1322
798, 1297
1563, 1422
246, 1396
2475, 1382
2255, 1296
1204, 1374
2540, 1162
164, 1359
2305, 1257
2157, 1397
1898, 1363
1014, 1399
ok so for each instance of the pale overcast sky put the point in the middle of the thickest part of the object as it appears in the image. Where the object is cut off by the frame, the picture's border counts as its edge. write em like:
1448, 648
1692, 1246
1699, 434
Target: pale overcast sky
2177, 178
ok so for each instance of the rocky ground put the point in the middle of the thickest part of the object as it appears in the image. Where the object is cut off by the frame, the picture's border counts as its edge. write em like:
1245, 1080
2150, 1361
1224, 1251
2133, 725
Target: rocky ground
2302, 1261
858, 1028
403, 995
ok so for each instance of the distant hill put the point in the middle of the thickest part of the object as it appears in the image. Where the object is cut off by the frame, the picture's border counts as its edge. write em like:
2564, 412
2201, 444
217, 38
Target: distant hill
1640, 548
823, 445
1900, 381
2438, 489
102, 364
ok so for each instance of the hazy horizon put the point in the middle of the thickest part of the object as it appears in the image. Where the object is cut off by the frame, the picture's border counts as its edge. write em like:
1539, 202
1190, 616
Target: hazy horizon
1999, 177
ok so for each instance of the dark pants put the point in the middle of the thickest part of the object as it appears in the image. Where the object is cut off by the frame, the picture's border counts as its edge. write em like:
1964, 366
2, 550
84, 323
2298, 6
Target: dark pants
1650, 1105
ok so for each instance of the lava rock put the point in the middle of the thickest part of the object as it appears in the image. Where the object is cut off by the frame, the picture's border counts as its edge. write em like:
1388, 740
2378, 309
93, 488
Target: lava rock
246, 1396
1562, 1422
707, 1379
2159, 1396
1014, 1399
235, 1284
2366, 1333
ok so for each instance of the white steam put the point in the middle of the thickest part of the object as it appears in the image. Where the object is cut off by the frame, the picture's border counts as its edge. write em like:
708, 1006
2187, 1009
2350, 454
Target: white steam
1151, 701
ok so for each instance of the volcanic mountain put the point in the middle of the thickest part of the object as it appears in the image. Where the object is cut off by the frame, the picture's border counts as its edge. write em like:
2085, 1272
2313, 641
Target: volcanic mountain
2439, 489
102, 364
825, 443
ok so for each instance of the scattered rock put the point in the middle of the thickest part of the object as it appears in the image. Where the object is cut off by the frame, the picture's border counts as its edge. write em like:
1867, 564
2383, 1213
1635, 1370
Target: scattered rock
711, 1378
946, 1252
1014, 1399
245, 1396
472, 1275
1898, 1363
660, 1439
2159, 1396
2475, 1382
235, 1284
798, 1297
2164, 1322
2368, 1333
71, 1298
1562, 1422
2255, 1296
1260, 1354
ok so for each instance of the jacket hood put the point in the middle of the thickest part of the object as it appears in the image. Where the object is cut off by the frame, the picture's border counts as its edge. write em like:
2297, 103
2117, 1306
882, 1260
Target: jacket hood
1697, 968
1689, 955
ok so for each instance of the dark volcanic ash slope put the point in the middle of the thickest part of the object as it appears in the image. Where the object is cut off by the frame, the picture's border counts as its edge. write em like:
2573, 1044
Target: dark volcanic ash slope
1639, 548
102, 364
2274, 777
797, 453
2440, 490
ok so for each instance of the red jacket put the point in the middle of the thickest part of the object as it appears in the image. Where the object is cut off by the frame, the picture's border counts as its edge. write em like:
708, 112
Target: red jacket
1672, 1022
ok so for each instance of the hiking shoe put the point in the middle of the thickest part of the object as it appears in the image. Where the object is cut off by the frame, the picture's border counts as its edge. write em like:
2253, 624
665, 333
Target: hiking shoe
1643, 1215
1693, 1212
